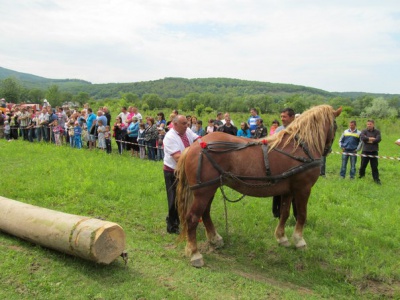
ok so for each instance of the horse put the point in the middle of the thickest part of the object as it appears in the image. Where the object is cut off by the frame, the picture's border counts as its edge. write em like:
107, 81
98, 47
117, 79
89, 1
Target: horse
287, 164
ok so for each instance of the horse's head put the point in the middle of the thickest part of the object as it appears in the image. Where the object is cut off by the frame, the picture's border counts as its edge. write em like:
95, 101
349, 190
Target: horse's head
330, 137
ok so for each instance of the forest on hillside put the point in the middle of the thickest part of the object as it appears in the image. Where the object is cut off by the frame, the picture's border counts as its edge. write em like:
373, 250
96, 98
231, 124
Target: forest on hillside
203, 94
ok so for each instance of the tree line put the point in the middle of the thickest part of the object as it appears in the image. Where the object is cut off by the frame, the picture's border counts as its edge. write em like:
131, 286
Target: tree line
203, 95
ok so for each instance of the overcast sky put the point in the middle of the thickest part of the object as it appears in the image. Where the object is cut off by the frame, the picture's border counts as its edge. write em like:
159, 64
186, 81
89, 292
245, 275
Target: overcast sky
351, 45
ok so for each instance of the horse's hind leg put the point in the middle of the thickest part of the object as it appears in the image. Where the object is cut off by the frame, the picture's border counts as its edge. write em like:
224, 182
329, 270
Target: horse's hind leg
284, 215
213, 237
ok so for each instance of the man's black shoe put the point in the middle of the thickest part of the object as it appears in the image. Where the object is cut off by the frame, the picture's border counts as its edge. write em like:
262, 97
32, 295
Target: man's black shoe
360, 177
378, 182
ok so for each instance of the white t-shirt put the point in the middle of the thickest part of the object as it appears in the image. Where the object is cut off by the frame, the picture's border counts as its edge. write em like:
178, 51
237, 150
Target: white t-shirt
173, 144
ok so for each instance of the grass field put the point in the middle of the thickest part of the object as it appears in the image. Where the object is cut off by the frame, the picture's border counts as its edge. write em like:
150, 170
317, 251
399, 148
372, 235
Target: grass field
352, 233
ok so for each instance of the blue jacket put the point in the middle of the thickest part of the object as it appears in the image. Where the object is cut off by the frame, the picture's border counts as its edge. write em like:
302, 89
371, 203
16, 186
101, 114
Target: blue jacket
133, 129
350, 140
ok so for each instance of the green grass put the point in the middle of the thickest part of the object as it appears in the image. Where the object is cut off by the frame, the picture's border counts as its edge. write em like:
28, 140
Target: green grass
352, 233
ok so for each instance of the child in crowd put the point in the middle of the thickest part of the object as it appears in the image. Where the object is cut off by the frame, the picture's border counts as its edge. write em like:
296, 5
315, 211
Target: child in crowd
142, 150
160, 148
77, 135
211, 126
71, 133
7, 130
199, 128
107, 137
100, 135
57, 131
275, 124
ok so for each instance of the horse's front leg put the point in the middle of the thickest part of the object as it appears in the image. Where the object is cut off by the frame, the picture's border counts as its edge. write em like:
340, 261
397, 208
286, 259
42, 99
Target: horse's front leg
280, 229
214, 239
200, 203
301, 205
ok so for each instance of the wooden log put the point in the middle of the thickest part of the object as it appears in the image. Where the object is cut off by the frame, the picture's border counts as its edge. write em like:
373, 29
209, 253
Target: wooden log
85, 237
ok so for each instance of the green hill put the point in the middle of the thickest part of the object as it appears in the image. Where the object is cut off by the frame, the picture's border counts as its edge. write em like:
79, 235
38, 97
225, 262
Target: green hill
30, 81
171, 87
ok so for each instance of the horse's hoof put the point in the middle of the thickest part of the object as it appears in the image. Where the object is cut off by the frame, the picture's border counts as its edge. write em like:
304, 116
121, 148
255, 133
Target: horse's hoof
217, 241
301, 244
284, 242
197, 260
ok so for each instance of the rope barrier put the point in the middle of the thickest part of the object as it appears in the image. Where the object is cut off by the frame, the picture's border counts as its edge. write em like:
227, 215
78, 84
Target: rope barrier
364, 155
333, 152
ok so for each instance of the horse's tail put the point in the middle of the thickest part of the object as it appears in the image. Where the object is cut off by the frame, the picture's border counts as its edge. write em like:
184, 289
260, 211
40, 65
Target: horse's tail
184, 195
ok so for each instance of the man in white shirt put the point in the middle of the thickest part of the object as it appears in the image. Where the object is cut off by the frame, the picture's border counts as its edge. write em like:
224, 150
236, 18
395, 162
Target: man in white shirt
175, 141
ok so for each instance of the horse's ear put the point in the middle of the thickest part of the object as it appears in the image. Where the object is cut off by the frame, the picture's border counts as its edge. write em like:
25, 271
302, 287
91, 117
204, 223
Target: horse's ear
338, 112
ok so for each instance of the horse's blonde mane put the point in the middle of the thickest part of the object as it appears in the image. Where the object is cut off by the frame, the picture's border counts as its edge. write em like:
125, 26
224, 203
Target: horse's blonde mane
309, 127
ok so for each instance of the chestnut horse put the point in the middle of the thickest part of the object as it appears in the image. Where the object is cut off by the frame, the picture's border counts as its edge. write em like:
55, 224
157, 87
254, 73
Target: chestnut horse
286, 164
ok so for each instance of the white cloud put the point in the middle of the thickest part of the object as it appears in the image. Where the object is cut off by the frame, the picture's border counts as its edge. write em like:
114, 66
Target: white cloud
337, 46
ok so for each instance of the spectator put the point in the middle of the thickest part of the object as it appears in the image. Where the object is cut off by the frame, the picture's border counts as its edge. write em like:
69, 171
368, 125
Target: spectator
211, 126
7, 130
175, 141
244, 130
107, 115
123, 114
218, 121
199, 128
350, 142
252, 121
46, 103
77, 135
91, 125
371, 137
57, 131
261, 130
62, 118
119, 127
142, 149
227, 115
107, 137
133, 132
159, 144
189, 119
275, 124
194, 123
161, 122
228, 127
71, 133
52, 118
150, 138
2, 119
101, 129
170, 124
24, 120
137, 114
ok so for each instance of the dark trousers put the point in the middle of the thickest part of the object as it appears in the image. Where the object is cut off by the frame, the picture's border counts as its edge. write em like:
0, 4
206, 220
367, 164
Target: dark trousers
108, 145
374, 164
276, 207
170, 186
14, 133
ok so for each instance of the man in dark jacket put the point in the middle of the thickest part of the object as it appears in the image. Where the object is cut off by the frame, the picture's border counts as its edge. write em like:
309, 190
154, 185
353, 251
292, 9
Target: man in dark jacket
228, 127
371, 138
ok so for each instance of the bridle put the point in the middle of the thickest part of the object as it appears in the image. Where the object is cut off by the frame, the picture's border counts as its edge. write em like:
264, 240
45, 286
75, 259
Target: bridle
331, 135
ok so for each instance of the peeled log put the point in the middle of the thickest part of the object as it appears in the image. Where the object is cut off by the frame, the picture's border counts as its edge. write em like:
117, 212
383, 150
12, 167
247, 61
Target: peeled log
88, 238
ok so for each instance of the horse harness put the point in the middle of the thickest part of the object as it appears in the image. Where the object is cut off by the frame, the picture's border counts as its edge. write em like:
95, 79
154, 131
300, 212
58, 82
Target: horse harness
309, 162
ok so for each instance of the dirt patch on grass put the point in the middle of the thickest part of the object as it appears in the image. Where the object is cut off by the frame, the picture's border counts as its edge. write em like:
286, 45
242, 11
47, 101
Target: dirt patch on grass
381, 289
